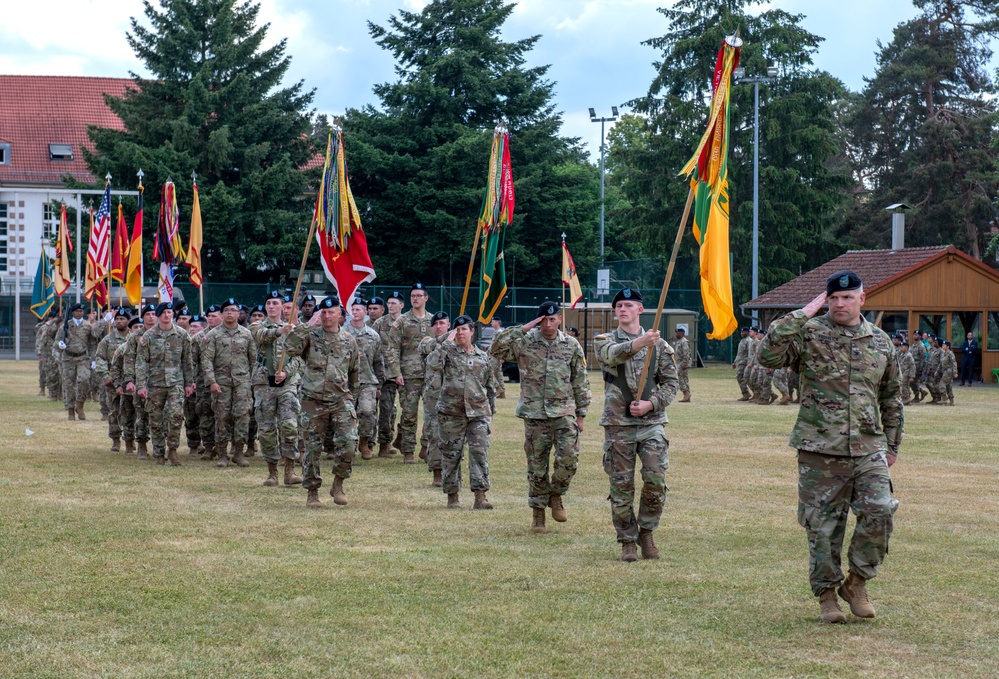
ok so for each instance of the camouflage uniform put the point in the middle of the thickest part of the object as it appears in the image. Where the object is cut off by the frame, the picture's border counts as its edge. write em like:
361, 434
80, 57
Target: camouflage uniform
404, 359
463, 413
192, 424
39, 333
98, 332
75, 362
907, 374
741, 359
43, 345
227, 356
203, 397
554, 391
932, 373
277, 406
329, 384
371, 376
681, 354
163, 367
105, 358
850, 417
948, 368
386, 402
748, 374
431, 436
780, 382
53, 363
919, 355
627, 438
128, 375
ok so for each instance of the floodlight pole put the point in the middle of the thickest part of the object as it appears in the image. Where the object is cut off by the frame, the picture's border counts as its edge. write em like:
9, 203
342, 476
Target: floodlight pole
595, 119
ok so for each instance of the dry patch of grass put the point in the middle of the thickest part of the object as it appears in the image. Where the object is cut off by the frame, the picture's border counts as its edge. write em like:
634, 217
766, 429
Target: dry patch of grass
113, 567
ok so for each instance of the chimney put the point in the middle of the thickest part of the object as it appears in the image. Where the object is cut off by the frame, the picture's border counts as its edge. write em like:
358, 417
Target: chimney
898, 225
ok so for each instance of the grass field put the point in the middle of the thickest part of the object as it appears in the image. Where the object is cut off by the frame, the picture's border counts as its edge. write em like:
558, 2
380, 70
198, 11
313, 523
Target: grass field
114, 567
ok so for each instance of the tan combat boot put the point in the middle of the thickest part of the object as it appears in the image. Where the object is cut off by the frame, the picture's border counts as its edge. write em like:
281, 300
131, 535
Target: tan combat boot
336, 491
686, 397
160, 461
172, 456
745, 397
312, 501
452, 501
223, 456
480, 500
397, 443
386, 450
648, 545
784, 400
438, 479
538, 520
423, 453
558, 509
829, 607
142, 453
272, 479
70, 414
854, 592
79, 410
628, 551
129, 447
251, 448
290, 477
362, 446
116, 445
208, 454
237, 456
951, 402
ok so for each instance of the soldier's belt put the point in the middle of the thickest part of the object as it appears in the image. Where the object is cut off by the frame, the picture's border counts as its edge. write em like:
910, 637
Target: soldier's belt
74, 354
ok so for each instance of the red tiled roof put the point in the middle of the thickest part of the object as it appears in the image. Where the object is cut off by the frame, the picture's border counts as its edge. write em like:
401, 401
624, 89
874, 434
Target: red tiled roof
875, 268
42, 110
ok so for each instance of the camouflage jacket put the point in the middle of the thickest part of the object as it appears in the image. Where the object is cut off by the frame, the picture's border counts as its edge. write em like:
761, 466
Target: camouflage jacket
117, 366
128, 359
918, 351
742, 355
553, 379
382, 327
163, 359
403, 354
948, 363
46, 338
907, 365
105, 351
270, 345
98, 331
76, 337
851, 401
617, 360
681, 353
369, 347
227, 356
467, 381
932, 368
432, 385
331, 363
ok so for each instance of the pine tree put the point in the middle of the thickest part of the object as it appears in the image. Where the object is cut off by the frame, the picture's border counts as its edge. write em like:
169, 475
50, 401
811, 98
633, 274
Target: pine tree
214, 104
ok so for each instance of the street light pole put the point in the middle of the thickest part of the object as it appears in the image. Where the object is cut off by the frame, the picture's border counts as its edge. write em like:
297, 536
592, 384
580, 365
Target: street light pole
595, 119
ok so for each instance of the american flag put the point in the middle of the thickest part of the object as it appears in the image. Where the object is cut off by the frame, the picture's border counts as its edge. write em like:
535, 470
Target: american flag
97, 252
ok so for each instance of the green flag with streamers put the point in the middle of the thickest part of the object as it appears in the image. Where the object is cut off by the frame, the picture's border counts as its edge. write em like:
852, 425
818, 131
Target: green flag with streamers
497, 213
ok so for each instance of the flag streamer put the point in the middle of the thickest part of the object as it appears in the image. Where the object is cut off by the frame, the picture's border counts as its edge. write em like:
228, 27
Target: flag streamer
496, 214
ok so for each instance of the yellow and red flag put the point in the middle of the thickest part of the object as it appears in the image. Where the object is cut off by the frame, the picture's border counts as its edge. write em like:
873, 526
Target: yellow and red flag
63, 247
194, 242
709, 167
570, 278
119, 253
133, 271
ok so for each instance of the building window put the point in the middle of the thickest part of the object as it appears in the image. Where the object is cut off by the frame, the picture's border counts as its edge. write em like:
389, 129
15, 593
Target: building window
4, 153
50, 221
993, 331
61, 152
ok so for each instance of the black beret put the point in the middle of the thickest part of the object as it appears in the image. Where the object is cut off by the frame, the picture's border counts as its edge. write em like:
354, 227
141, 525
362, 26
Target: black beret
630, 294
376, 300
309, 298
258, 309
228, 303
163, 306
184, 312
78, 305
213, 309
842, 280
681, 330
134, 321
146, 309
744, 330
197, 318
395, 294
418, 286
330, 302
274, 294
463, 320
904, 344
572, 329
439, 316
286, 298
358, 302
548, 309
123, 313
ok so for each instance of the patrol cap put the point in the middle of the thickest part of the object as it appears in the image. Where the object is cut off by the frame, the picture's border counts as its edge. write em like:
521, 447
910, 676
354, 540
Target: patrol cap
184, 312
198, 318
123, 313
309, 298
274, 294
163, 306
395, 294
630, 294
330, 302
134, 321
547, 309
213, 309
78, 305
463, 320
359, 302
439, 316
228, 303
376, 300
258, 309
842, 280
418, 286
146, 309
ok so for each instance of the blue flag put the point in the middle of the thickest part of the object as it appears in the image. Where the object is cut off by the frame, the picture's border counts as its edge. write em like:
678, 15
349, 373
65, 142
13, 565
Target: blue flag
43, 296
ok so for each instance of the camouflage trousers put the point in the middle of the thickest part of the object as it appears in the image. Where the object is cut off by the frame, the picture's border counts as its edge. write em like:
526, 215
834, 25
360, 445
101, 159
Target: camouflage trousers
780, 382
457, 431
113, 399
53, 378
128, 417
682, 374
764, 382
829, 486
367, 416
431, 433
191, 424
623, 446
165, 408
946, 386
386, 412
317, 417
497, 367
409, 398
41, 376
232, 413
906, 390
749, 377
540, 437
97, 390
206, 416
740, 368
75, 380
251, 429
277, 410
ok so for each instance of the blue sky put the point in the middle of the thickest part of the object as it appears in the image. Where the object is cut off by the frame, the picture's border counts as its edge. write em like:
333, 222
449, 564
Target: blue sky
592, 46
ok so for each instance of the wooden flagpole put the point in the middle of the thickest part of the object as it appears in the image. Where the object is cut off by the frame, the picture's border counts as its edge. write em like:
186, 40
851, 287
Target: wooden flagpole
471, 265
561, 279
666, 282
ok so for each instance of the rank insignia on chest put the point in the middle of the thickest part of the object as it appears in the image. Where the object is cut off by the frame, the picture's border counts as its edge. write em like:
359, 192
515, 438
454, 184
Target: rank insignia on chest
470, 363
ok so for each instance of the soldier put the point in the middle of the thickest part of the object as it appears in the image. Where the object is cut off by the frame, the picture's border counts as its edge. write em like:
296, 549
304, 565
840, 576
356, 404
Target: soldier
275, 393
554, 397
948, 373
192, 424
376, 309
764, 377
203, 395
183, 320
307, 308
463, 412
496, 364
286, 308
741, 358
634, 424
329, 385
227, 356
780, 382
257, 314
932, 371
405, 366
431, 438
681, 354
102, 366
389, 391
73, 339
747, 374
163, 377
126, 400
906, 371
95, 386
371, 374
847, 436
149, 319
39, 332
50, 368
919, 356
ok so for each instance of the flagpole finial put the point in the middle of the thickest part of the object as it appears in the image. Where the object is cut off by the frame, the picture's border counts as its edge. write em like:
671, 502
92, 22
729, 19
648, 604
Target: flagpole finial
563, 236
108, 177
194, 176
